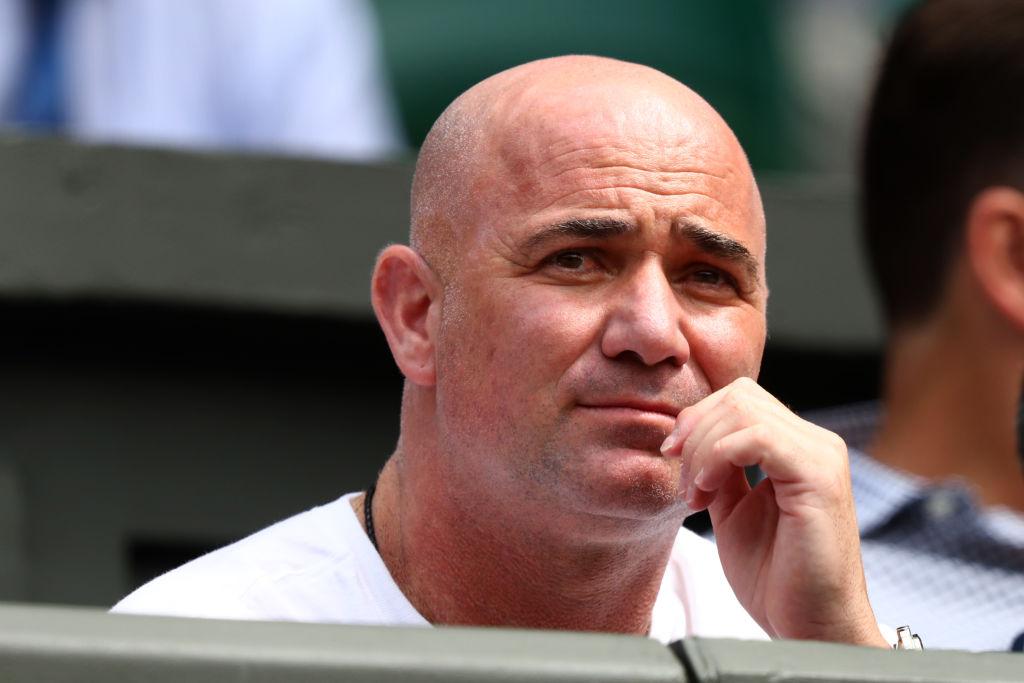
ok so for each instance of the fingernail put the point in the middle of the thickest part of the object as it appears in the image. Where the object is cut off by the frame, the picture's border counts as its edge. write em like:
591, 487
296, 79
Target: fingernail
698, 481
670, 441
677, 435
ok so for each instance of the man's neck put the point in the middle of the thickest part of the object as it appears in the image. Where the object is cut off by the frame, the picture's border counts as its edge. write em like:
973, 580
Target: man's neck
468, 569
951, 411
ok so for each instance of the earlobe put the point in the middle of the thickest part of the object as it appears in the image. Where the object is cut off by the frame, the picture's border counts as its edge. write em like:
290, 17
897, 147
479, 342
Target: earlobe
995, 248
405, 293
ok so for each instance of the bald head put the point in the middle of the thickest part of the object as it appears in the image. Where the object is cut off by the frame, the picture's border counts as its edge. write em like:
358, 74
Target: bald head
597, 233
480, 151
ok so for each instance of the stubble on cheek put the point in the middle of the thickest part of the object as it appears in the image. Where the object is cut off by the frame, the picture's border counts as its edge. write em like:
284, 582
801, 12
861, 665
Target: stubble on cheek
535, 426
512, 377
587, 469
491, 403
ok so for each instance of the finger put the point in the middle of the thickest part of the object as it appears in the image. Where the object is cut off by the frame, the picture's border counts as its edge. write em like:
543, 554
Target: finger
802, 452
699, 450
725, 499
688, 418
722, 472
751, 529
752, 427
694, 414
806, 464
743, 405
734, 450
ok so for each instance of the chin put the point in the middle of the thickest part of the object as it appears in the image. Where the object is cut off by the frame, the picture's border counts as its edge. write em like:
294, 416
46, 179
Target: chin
634, 484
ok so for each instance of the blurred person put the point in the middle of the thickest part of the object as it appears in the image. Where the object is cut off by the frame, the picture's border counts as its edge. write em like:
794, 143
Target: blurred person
300, 77
939, 484
578, 318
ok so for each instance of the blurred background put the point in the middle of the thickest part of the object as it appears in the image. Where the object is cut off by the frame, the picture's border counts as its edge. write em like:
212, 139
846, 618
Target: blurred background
191, 196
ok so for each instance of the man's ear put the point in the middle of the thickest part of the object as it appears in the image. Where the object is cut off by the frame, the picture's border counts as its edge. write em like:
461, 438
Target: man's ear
995, 249
406, 297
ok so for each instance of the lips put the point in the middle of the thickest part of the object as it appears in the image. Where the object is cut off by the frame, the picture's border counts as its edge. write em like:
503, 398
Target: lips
635, 404
628, 423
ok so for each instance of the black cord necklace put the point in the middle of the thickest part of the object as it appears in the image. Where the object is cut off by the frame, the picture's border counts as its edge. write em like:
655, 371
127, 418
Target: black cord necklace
368, 515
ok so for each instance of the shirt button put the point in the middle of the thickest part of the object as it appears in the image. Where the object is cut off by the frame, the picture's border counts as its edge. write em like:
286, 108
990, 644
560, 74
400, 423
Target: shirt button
940, 505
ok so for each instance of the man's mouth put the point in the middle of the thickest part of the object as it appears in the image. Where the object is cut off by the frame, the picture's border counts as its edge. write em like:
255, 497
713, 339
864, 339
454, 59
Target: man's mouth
632, 407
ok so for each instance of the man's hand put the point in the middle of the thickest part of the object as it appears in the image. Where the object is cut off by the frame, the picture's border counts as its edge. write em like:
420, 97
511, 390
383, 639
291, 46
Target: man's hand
789, 546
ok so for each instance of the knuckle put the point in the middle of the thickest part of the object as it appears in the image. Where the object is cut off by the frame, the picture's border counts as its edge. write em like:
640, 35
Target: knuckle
760, 436
734, 401
743, 411
745, 383
834, 442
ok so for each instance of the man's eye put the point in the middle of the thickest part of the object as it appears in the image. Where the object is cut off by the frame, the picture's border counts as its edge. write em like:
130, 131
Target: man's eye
707, 276
712, 280
570, 260
576, 266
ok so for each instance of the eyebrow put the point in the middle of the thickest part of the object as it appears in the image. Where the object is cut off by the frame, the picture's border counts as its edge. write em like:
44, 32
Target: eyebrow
706, 240
718, 245
585, 228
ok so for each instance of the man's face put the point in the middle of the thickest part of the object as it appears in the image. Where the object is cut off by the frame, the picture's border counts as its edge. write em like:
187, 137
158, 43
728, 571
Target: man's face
610, 274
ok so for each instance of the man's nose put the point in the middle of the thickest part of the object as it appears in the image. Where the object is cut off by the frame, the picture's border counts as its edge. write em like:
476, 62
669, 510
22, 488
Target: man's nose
646, 319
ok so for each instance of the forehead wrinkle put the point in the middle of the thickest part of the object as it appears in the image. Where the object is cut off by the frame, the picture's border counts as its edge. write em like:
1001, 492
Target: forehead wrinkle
543, 143
664, 172
601, 192
601, 178
539, 156
620, 155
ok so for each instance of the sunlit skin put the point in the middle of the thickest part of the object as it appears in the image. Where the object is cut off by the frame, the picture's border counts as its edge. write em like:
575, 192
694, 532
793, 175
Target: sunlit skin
593, 313
587, 280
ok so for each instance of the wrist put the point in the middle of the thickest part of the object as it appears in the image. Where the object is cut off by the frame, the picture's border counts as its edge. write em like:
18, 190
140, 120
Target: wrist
863, 631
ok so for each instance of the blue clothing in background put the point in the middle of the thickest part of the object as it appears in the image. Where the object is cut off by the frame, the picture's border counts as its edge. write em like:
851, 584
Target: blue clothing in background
299, 77
933, 556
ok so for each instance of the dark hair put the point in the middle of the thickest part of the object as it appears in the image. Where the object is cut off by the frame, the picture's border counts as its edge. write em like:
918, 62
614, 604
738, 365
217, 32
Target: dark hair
946, 121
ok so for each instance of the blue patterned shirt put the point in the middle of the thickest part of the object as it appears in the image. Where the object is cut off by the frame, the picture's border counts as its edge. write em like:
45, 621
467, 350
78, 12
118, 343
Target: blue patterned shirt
933, 556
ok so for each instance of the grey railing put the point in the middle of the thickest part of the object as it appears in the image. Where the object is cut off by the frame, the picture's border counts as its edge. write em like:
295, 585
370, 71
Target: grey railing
53, 645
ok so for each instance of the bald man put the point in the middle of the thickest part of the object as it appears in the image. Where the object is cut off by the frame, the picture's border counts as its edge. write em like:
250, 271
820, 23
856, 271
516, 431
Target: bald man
579, 319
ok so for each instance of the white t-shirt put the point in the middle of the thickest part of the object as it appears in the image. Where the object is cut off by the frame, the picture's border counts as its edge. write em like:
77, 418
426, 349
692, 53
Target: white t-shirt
319, 566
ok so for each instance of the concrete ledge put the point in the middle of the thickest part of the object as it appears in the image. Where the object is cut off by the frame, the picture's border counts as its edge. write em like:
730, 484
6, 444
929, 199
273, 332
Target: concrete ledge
729, 661
62, 644
81, 221
268, 233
